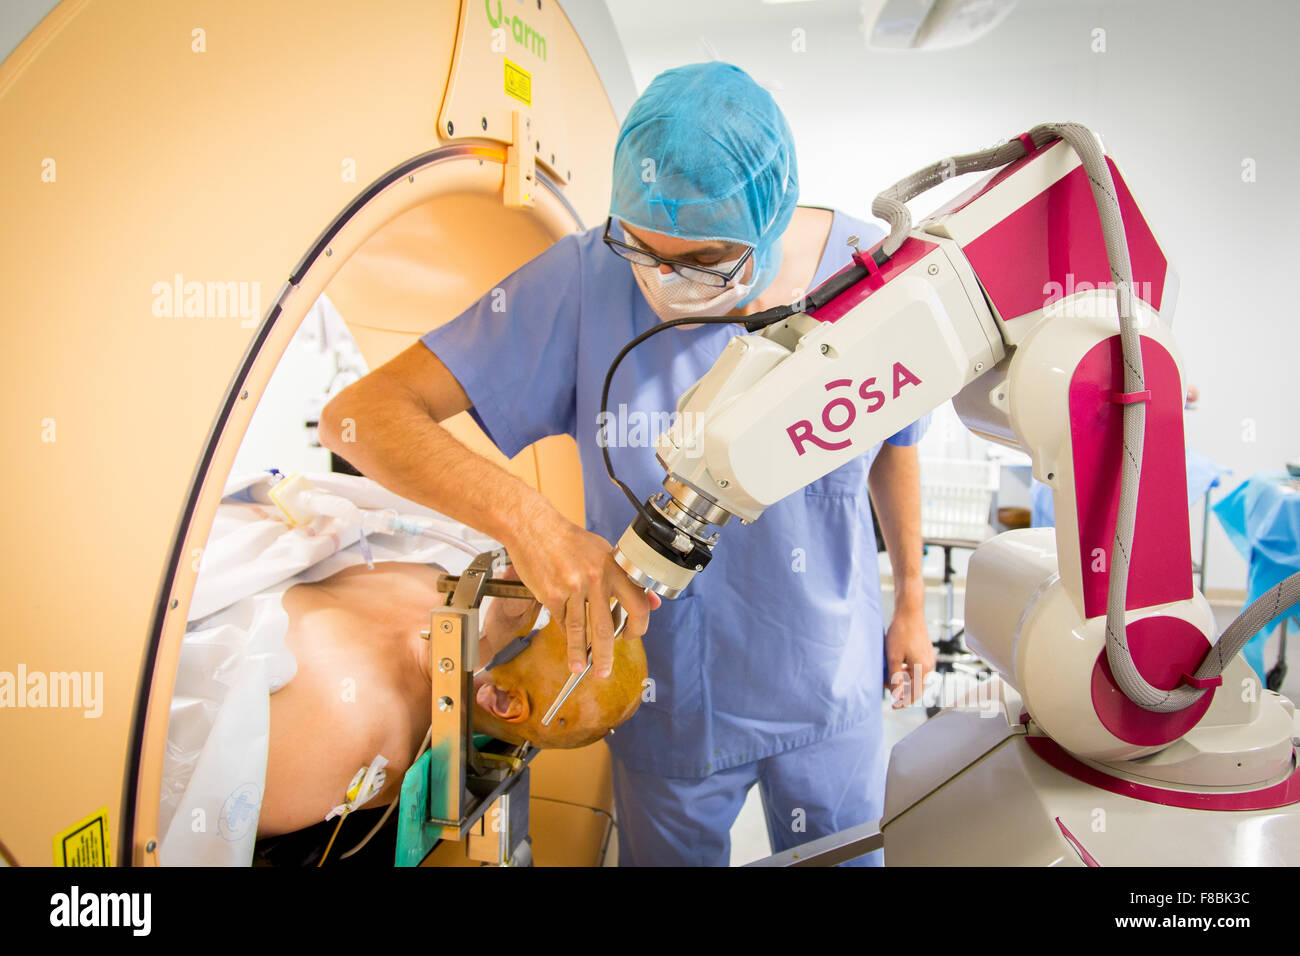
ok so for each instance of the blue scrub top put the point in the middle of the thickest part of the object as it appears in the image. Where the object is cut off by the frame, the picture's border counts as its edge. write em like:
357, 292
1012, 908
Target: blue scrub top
779, 642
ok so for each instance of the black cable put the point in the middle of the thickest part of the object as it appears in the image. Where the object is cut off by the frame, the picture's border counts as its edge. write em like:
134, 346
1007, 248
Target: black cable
609, 830
580, 806
838, 284
758, 320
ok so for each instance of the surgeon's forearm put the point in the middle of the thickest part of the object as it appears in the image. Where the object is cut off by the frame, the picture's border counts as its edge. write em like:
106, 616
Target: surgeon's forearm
389, 437
895, 485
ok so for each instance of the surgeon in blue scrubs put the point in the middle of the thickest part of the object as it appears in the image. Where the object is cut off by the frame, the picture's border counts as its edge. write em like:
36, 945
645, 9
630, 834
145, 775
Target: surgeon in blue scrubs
769, 669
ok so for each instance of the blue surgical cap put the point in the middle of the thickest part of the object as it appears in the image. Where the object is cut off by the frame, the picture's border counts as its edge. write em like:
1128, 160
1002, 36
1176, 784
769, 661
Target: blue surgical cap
705, 154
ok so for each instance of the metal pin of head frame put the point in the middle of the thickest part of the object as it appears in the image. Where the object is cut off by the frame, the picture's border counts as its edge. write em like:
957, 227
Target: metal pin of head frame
574, 680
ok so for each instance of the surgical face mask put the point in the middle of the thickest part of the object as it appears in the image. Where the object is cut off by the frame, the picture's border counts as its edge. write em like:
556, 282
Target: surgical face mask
672, 297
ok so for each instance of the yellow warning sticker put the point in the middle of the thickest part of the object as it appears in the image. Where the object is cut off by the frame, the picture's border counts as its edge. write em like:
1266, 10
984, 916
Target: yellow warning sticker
519, 83
85, 843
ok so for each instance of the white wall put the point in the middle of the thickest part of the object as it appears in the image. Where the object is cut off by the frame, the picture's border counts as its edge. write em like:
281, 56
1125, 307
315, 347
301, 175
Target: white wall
1185, 91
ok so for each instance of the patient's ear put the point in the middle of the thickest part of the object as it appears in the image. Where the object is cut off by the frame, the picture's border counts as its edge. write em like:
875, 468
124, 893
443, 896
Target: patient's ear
510, 705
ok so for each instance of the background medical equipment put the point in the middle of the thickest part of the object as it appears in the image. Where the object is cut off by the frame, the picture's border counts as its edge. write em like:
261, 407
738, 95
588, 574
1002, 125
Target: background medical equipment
1262, 519
956, 496
1097, 629
956, 501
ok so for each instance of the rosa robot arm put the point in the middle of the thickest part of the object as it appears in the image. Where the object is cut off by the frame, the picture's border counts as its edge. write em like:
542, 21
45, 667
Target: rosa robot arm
1019, 301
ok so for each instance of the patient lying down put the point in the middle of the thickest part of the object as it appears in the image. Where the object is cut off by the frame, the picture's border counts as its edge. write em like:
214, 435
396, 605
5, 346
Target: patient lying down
363, 687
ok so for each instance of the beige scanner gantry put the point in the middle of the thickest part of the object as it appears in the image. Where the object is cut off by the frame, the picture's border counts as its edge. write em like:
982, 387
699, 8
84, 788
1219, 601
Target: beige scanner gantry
180, 182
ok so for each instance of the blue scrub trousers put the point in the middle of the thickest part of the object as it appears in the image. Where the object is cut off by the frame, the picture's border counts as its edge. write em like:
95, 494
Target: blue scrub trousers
808, 792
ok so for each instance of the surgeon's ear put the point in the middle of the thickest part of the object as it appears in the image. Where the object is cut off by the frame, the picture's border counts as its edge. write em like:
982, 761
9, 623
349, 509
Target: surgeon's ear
510, 705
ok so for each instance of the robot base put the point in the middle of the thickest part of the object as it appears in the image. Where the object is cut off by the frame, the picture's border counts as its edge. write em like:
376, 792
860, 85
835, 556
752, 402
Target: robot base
981, 788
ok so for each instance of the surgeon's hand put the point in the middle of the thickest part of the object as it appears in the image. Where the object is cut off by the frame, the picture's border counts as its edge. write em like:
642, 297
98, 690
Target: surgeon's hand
572, 572
909, 656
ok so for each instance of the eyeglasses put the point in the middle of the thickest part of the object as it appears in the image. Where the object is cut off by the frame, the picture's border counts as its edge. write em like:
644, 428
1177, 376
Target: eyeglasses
643, 256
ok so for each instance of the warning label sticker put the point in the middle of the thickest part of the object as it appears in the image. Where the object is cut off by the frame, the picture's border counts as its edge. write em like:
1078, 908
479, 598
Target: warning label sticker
85, 843
519, 83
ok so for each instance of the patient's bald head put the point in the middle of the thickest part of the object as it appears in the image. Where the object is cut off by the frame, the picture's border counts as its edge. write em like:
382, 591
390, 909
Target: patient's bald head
511, 699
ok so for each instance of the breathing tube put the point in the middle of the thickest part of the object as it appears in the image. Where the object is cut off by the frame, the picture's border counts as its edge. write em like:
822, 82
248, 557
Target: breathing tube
300, 502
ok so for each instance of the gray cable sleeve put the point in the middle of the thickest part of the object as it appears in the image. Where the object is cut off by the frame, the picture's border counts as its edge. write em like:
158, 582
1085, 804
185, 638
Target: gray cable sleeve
1127, 676
890, 206
1248, 623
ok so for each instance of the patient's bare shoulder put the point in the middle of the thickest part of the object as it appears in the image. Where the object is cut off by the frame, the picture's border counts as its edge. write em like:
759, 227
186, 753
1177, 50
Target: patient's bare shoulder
358, 693
323, 729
